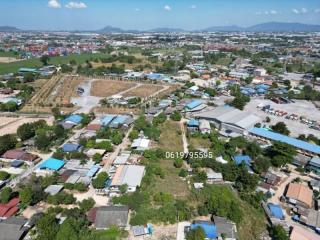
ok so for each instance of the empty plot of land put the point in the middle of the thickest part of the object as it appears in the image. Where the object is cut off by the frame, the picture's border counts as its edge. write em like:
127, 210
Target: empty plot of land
107, 88
13, 123
8, 59
170, 138
144, 90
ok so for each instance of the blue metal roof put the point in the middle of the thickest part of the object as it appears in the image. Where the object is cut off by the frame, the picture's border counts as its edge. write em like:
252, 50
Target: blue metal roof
155, 76
70, 147
242, 158
107, 120
283, 138
194, 104
120, 119
93, 171
52, 164
74, 118
263, 86
210, 230
193, 123
276, 210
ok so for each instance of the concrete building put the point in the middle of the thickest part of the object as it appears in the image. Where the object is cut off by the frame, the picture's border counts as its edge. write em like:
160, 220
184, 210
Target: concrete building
230, 121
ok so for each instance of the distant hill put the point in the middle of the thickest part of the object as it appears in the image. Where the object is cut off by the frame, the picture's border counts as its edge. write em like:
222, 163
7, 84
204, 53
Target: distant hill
9, 29
167, 30
267, 27
110, 29
232, 28
284, 27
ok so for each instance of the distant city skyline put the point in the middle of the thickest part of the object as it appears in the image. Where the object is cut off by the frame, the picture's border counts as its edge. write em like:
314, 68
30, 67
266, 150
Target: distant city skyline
148, 14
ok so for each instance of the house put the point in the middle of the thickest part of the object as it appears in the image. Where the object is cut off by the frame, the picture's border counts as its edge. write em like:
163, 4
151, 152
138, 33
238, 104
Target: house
53, 189
271, 178
195, 105
193, 125
106, 217
213, 177
13, 228
301, 233
275, 211
242, 158
73, 119
52, 164
225, 228
140, 230
314, 165
106, 120
313, 219
300, 195
9, 209
71, 147
204, 127
130, 175
140, 144
19, 154
122, 159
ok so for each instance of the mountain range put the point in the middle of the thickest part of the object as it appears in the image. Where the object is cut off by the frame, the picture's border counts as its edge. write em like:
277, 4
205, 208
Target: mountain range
263, 27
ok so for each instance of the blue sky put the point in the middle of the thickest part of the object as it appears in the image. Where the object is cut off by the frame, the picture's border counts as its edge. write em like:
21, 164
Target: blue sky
147, 14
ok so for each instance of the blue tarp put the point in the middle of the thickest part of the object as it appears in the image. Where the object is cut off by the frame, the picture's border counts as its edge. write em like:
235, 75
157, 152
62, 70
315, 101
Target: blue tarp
209, 229
70, 147
52, 164
262, 132
74, 119
119, 120
106, 120
276, 210
194, 104
242, 158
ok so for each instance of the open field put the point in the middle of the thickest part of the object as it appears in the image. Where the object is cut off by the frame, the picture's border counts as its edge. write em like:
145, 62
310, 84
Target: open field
35, 62
107, 88
300, 107
10, 125
143, 91
170, 138
172, 183
199, 142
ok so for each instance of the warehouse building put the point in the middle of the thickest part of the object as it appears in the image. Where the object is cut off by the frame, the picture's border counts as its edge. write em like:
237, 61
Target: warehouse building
302, 146
230, 121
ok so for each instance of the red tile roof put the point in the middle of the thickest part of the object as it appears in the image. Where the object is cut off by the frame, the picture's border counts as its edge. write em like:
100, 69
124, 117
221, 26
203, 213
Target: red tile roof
10, 208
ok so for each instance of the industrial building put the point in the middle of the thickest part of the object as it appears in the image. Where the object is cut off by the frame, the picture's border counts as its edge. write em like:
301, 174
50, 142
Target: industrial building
230, 121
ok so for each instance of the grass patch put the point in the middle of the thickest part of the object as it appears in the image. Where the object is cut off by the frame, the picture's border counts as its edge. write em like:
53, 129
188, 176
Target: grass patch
199, 142
35, 62
170, 138
171, 183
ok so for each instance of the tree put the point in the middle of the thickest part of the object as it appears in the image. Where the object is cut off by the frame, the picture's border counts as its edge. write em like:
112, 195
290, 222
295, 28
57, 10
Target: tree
47, 227
97, 157
281, 153
5, 195
175, 116
100, 181
278, 233
183, 173
261, 164
253, 149
281, 127
178, 163
45, 59
4, 175
87, 204
25, 131
196, 234
7, 142
134, 134
240, 101
68, 230
42, 141
123, 188
26, 196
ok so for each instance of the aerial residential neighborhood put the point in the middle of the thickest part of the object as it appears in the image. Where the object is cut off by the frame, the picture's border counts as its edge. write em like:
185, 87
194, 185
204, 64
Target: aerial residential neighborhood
160, 133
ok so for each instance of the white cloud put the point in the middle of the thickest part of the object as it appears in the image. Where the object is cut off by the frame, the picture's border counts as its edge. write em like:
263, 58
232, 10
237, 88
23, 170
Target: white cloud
54, 4
273, 12
193, 6
167, 8
266, 12
76, 5
299, 11
137, 9
317, 10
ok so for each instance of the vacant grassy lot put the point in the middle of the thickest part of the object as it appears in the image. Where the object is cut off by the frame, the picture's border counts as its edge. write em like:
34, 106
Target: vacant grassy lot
35, 62
170, 138
198, 142
107, 88
172, 183
144, 91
